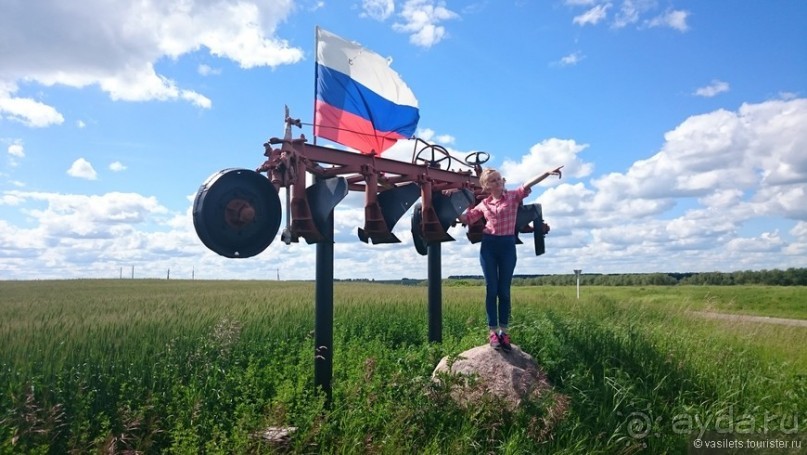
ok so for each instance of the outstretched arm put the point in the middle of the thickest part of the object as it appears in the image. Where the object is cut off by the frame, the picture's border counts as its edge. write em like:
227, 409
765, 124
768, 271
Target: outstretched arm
539, 178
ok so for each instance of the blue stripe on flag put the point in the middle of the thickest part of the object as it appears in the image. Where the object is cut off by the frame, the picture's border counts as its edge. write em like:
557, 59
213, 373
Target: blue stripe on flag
340, 91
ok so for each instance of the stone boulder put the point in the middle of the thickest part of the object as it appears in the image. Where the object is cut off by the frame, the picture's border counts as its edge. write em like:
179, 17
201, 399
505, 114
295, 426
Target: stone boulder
512, 376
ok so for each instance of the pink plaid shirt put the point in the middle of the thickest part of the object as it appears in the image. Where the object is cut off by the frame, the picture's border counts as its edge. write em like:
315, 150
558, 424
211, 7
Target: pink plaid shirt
500, 215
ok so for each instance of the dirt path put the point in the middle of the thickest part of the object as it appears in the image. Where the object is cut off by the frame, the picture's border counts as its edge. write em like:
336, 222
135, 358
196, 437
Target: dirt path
747, 318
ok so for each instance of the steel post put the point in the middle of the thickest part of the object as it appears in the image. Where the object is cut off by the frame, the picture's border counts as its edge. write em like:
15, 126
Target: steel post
323, 315
435, 293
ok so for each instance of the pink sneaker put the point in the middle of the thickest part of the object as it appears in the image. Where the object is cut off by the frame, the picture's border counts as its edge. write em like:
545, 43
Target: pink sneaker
504, 340
494, 341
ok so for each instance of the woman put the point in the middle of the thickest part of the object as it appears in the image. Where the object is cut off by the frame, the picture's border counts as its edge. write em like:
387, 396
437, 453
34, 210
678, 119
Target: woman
498, 251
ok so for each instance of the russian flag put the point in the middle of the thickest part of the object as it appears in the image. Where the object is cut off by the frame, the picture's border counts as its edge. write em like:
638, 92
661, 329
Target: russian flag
361, 102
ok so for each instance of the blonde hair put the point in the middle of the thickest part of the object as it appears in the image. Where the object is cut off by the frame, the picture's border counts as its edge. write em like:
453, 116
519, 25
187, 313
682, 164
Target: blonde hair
485, 176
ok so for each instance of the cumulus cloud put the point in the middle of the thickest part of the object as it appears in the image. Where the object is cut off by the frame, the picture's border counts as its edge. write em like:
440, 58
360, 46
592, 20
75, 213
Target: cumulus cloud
117, 46
81, 216
27, 111
117, 166
546, 155
714, 88
379, 10
95, 236
714, 173
430, 135
421, 19
82, 169
756, 147
16, 150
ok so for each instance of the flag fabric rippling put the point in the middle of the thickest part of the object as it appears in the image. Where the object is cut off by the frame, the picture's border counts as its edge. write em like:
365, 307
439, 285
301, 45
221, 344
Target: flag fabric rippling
360, 101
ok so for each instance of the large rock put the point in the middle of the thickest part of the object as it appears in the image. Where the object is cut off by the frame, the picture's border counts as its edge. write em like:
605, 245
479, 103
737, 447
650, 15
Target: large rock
513, 376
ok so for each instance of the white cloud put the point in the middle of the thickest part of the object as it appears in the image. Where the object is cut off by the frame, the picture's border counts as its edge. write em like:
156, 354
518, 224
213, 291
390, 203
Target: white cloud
628, 13
800, 230
118, 44
726, 169
767, 242
207, 70
196, 99
72, 215
82, 169
28, 111
714, 88
16, 150
757, 147
144, 84
592, 16
430, 135
80, 124
94, 236
379, 10
117, 166
675, 19
547, 155
570, 60
421, 19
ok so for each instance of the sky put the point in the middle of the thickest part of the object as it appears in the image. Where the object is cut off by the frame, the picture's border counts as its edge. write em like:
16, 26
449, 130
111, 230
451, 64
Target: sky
681, 126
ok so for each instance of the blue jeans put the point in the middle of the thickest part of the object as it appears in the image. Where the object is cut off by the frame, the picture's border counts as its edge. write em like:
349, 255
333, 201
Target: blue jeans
498, 258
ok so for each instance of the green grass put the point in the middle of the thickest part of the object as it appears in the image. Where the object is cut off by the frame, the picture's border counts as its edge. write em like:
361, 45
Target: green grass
195, 366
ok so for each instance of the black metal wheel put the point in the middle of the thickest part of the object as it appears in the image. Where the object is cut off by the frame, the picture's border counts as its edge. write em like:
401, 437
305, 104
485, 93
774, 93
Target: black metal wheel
477, 158
437, 154
237, 213
417, 230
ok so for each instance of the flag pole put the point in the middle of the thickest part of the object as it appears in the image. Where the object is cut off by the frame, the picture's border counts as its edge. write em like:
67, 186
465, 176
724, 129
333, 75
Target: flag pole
316, 82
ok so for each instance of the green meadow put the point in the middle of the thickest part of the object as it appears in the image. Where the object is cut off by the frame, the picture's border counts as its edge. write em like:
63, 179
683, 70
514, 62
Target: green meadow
191, 367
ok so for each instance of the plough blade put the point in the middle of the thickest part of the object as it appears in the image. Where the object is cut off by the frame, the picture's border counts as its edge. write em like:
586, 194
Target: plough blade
431, 225
450, 207
321, 198
380, 216
531, 213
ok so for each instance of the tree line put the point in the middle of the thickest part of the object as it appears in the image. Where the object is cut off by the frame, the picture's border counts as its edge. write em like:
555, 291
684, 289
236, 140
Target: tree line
775, 277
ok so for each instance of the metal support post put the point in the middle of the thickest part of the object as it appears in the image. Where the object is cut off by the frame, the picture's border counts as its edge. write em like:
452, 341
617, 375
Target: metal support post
323, 316
435, 293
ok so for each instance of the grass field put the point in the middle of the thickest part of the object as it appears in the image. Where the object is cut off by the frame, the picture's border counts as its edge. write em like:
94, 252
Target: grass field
200, 366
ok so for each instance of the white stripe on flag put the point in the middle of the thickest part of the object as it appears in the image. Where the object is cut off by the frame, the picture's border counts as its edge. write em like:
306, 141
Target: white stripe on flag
363, 66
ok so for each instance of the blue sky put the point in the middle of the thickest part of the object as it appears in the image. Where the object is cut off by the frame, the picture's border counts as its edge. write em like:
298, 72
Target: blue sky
682, 126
